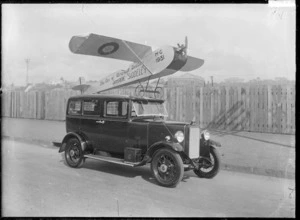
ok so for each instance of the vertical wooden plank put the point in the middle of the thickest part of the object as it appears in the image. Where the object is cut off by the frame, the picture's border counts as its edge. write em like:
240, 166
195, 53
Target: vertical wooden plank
240, 109
177, 104
262, 106
212, 101
275, 109
265, 109
194, 102
243, 116
253, 109
180, 104
293, 121
269, 108
288, 110
279, 115
206, 108
222, 121
201, 107
219, 105
259, 108
284, 110
227, 106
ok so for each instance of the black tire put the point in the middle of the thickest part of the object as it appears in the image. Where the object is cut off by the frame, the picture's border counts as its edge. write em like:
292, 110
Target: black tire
73, 153
167, 167
212, 171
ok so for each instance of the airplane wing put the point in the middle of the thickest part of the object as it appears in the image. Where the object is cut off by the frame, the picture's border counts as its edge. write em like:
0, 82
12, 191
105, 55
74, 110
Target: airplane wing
102, 46
192, 63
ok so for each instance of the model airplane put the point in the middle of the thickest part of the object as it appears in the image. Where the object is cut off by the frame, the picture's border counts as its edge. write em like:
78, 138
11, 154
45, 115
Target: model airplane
147, 64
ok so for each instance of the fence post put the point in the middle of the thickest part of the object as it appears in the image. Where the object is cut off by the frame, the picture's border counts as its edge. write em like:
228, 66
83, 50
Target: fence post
201, 107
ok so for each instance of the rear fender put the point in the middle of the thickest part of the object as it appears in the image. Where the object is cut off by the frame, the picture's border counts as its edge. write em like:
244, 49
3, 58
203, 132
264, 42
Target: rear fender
72, 135
164, 144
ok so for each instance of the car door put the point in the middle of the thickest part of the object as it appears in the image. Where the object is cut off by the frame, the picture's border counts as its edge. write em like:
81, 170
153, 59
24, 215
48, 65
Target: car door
73, 115
114, 129
90, 121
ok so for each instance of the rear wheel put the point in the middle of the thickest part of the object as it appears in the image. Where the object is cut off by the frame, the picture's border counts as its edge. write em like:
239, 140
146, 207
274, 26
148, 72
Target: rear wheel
208, 170
167, 167
73, 153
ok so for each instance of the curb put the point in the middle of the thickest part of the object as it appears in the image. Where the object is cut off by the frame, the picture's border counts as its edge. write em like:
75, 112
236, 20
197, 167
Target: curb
259, 171
224, 166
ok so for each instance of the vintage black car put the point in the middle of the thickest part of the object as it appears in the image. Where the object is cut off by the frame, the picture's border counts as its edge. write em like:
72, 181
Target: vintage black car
132, 131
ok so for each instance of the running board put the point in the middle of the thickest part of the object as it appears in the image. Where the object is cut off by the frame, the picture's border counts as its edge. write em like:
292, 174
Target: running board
111, 160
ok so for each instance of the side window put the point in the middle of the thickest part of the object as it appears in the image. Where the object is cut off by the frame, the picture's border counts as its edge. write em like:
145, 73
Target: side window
116, 109
112, 108
74, 107
91, 107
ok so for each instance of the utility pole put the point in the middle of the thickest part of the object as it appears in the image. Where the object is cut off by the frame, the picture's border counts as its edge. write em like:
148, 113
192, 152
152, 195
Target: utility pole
27, 66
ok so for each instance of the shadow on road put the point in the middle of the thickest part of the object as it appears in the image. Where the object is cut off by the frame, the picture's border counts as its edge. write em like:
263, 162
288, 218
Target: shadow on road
236, 133
117, 169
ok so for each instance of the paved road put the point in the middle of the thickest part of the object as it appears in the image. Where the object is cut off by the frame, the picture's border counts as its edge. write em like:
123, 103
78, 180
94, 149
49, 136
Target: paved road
259, 153
36, 182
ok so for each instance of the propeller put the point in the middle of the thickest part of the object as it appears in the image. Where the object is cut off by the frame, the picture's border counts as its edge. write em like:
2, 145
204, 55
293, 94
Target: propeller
183, 47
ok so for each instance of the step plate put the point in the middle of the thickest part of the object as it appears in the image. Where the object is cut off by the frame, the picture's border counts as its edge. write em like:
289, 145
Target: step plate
110, 160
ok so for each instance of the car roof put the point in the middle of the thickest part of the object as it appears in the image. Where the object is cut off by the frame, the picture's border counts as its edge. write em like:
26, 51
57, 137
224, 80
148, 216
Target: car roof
114, 96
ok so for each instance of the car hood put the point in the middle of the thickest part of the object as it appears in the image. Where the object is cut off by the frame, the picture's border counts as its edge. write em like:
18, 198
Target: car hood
155, 121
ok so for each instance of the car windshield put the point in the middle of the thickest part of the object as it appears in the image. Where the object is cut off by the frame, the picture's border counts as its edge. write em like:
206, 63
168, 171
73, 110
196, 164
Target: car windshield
149, 108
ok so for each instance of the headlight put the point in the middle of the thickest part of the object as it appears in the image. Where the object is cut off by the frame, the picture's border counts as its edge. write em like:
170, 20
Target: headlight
206, 135
179, 136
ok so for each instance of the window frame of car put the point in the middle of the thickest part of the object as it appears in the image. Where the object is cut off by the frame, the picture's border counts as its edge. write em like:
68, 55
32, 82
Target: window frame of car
118, 116
68, 107
100, 107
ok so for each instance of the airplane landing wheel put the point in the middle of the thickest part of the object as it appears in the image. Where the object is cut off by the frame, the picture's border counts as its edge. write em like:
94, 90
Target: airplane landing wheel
139, 91
159, 93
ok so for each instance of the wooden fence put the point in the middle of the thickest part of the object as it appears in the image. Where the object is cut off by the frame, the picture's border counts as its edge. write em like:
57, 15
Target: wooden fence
250, 108
260, 108
50, 105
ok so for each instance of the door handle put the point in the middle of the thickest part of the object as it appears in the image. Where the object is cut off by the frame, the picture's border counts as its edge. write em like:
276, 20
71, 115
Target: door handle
100, 122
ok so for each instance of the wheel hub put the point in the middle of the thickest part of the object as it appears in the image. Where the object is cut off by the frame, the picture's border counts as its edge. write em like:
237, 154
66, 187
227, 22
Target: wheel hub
72, 153
163, 168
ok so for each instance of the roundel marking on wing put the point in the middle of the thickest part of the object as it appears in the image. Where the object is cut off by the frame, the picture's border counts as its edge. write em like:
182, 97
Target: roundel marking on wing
108, 48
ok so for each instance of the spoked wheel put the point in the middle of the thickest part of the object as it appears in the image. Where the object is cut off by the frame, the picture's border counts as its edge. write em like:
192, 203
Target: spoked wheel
139, 91
209, 170
167, 167
73, 153
159, 93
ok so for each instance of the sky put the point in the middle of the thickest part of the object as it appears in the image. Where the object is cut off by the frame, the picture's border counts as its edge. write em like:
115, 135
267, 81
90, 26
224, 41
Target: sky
235, 40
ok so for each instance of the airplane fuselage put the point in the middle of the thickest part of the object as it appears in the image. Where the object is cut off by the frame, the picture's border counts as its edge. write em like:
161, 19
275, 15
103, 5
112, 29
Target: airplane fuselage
162, 62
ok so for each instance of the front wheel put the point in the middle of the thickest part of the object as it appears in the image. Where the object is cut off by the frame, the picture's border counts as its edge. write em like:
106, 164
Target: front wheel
167, 167
208, 170
73, 153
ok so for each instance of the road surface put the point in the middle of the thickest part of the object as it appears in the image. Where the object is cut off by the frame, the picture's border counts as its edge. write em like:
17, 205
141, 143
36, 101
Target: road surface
37, 182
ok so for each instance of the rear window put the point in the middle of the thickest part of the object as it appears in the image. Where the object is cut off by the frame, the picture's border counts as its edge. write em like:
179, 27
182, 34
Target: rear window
74, 107
91, 107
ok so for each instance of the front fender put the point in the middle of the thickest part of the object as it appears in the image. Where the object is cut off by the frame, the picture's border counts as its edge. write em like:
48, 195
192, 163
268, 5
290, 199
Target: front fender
171, 145
72, 135
206, 145
214, 143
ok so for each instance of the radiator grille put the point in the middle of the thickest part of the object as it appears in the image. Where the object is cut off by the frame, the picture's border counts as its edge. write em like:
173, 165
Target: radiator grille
194, 142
